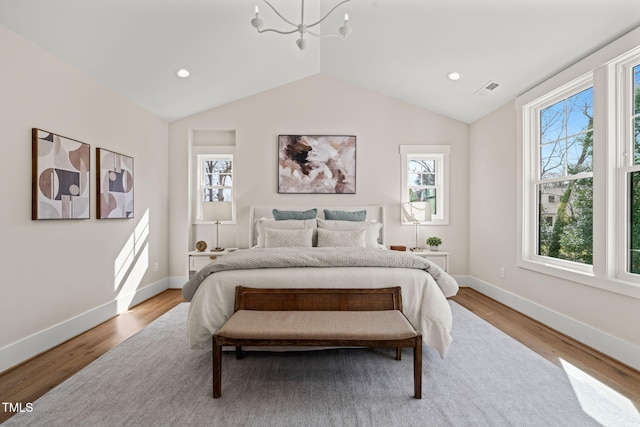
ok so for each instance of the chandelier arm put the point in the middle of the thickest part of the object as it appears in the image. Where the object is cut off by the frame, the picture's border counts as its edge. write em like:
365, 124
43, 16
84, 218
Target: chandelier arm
282, 17
325, 16
322, 36
278, 31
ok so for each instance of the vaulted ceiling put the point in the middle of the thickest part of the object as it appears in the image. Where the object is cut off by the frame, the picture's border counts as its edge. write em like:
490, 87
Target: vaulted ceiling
400, 48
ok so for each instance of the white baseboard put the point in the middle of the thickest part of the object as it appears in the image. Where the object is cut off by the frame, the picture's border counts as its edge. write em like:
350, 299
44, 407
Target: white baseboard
26, 348
612, 346
464, 281
177, 282
125, 302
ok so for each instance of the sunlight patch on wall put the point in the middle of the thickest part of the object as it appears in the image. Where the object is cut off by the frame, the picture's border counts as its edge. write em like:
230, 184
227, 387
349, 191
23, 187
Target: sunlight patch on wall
132, 263
133, 280
123, 261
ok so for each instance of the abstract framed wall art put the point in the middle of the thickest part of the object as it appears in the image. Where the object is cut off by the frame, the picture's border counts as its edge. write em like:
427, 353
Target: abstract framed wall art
317, 164
115, 184
60, 181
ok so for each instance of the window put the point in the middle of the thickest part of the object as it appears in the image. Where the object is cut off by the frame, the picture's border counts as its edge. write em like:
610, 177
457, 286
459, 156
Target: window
559, 196
212, 179
581, 222
215, 179
425, 177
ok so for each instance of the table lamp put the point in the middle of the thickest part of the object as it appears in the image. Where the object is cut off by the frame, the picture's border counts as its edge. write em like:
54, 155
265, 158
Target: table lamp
418, 213
217, 211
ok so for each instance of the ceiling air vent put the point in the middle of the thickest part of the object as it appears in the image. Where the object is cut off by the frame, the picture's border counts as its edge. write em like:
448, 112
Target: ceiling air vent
487, 88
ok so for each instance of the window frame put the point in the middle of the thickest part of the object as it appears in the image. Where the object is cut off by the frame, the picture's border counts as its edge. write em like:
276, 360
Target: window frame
609, 186
623, 72
531, 163
201, 154
440, 154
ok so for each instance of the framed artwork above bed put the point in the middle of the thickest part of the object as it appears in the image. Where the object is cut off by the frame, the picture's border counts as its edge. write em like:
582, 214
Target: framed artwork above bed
316, 164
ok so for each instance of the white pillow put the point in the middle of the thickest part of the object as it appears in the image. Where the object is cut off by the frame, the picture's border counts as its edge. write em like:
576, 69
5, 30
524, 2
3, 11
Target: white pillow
275, 238
288, 224
371, 229
354, 238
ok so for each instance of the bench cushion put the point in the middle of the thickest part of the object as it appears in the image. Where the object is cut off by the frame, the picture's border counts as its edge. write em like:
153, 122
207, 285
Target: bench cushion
318, 325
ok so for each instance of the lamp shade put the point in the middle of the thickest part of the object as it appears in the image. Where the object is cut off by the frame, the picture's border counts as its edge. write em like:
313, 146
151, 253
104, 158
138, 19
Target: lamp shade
417, 211
217, 211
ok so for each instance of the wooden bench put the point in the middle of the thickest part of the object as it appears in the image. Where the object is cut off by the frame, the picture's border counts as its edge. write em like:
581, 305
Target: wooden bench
318, 317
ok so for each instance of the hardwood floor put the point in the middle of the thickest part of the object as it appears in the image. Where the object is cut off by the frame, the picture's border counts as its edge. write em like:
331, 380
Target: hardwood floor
30, 380
33, 378
553, 345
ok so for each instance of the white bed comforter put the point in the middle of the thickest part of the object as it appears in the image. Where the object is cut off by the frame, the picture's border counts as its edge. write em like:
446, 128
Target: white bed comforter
424, 302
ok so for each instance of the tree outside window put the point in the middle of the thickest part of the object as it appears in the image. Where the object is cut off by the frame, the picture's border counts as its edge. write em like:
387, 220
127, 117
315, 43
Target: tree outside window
217, 180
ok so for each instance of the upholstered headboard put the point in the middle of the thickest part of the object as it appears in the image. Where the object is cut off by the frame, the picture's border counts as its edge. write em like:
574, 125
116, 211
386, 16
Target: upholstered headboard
374, 213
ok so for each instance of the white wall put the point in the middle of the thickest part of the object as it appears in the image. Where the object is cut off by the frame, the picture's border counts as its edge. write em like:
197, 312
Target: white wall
320, 105
58, 276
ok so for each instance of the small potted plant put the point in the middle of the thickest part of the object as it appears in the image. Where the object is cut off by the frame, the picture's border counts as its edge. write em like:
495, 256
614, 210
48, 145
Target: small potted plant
433, 242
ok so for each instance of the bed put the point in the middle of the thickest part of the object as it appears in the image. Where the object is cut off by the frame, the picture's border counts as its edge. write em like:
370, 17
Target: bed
365, 263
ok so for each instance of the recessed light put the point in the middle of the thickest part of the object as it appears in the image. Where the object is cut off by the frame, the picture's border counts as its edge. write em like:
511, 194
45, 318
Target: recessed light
184, 73
454, 76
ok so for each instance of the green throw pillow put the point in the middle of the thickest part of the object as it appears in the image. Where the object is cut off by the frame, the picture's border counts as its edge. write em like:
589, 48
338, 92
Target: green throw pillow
345, 215
279, 215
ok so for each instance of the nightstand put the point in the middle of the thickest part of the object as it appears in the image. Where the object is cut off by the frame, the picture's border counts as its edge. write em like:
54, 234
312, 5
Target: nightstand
197, 259
437, 257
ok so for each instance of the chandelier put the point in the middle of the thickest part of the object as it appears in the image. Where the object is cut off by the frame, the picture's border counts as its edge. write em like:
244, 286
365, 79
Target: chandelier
302, 28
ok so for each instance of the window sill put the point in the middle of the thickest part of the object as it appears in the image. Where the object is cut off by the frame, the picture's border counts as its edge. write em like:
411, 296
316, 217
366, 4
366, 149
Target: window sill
617, 286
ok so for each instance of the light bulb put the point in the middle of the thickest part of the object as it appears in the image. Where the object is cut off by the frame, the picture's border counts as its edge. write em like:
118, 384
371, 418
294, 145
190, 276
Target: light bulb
344, 30
256, 22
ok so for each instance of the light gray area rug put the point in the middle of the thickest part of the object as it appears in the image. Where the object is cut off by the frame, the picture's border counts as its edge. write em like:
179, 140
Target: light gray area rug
487, 379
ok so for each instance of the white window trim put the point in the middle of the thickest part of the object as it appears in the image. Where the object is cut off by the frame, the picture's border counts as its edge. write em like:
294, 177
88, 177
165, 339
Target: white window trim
608, 187
531, 164
622, 163
441, 153
198, 153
